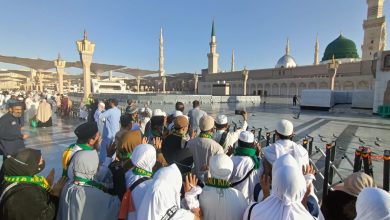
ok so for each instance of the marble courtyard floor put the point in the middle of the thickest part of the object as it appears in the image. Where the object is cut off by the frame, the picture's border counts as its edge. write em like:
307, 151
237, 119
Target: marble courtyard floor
341, 124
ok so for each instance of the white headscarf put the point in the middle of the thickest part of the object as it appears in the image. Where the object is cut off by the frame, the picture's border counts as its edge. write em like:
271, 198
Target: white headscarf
144, 156
284, 203
221, 166
373, 204
163, 195
282, 147
284, 161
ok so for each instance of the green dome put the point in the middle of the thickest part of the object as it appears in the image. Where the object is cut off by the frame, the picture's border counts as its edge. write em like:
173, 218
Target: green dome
340, 48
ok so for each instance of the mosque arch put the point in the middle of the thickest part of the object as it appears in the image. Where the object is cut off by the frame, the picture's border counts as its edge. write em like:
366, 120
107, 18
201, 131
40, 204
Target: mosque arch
323, 85
348, 85
312, 85
283, 89
292, 89
267, 89
363, 85
275, 89
301, 87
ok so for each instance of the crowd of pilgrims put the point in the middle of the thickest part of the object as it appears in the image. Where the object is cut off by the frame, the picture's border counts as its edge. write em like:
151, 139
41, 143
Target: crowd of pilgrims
146, 164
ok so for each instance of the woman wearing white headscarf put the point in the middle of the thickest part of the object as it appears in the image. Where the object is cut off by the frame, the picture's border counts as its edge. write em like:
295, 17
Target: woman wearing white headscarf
138, 179
373, 204
44, 114
84, 198
284, 203
218, 200
162, 199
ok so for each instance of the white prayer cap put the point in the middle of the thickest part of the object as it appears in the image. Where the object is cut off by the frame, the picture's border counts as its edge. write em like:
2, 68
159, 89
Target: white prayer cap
221, 120
144, 156
285, 127
142, 110
373, 204
206, 123
159, 112
221, 166
176, 113
149, 111
247, 137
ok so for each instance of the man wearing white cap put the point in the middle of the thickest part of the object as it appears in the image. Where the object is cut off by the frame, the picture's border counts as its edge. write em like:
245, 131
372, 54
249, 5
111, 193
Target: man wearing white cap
146, 113
173, 116
133, 112
284, 131
225, 137
219, 201
203, 147
247, 166
157, 127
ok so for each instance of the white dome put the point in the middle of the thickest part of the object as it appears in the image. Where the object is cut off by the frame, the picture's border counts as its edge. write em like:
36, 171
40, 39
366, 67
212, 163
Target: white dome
286, 61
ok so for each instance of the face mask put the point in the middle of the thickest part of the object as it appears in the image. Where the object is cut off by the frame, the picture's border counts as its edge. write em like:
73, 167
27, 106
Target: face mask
41, 166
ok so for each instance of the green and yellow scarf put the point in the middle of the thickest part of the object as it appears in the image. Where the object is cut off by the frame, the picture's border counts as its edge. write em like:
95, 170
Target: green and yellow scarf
37, 180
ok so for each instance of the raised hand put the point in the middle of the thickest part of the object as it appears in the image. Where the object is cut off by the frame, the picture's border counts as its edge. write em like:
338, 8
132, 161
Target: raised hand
144, 140
191, 181
308, 169
157, 142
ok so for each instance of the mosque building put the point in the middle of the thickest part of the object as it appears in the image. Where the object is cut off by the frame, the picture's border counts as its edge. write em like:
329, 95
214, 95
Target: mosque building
288, 78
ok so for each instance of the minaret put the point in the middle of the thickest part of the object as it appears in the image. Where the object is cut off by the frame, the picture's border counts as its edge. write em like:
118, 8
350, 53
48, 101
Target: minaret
60, 67
161, 61
161, 54
213, 55
232, 65
288, 47
374, 30
316, 51
86, 49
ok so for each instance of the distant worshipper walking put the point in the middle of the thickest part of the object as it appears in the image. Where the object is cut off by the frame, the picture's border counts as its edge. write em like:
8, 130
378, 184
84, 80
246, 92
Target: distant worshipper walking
195, 114
44, 114
24, 194
111, 119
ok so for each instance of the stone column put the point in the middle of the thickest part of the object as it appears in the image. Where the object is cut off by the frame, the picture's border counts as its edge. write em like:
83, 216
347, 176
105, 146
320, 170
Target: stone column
196, 79
86, 49
332, 70
40, 80
138, 83
245, 74
60, 67
164, 81
110, 76
33, 74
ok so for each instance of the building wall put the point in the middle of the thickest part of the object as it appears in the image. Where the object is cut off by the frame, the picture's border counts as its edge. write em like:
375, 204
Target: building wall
289, 82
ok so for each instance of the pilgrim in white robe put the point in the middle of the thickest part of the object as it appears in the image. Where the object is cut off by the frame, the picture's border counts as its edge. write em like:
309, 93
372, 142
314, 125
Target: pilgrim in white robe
221, 202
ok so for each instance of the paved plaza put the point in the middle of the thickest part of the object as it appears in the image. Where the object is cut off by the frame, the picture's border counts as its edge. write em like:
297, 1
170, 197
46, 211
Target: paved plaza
342, 124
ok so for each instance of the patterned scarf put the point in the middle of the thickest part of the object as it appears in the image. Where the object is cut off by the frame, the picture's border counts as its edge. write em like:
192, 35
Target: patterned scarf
205, 134
37, 180
218, 183
141, 172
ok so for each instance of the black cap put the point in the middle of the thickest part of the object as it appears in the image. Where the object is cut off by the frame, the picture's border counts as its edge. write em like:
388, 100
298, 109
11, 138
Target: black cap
13, 103
86, 130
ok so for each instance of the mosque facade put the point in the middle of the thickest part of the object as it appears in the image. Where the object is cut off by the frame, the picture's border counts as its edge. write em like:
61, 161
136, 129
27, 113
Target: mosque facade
287, 78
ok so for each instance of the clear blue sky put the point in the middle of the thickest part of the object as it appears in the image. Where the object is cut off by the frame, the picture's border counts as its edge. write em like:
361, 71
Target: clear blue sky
126, 32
